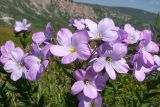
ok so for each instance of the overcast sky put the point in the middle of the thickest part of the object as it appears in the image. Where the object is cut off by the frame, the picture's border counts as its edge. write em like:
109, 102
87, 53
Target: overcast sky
149, 5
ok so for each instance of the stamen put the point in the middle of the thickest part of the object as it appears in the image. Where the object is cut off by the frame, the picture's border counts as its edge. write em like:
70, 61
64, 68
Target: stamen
108, 59
86, 82
72, 50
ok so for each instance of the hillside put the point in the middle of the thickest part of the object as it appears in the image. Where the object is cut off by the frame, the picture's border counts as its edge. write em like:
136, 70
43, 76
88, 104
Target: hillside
39, 12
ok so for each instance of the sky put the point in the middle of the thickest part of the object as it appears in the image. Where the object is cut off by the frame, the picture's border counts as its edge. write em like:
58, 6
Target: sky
148, 5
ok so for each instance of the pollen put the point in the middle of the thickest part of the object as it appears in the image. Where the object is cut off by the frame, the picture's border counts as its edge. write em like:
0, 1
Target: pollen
21, 65
108, 59
129, 38
72, 50
86, 82
98, 36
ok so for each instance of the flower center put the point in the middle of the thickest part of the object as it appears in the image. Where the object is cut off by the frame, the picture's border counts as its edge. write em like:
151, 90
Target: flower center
129, 38
72, 50
143, 48
98, 36
109, 59
21, 65
86, 82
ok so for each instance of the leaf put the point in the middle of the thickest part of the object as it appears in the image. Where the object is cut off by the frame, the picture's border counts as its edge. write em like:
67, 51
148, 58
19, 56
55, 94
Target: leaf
41, 102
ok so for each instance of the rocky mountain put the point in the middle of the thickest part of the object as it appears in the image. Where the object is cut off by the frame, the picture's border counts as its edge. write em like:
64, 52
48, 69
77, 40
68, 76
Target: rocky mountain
39, 12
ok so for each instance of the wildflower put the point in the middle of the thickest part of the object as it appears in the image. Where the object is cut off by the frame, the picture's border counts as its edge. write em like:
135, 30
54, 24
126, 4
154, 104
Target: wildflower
41, 37
71, 46
15, 65
89, 82
157, 61
36, 62
132, 34
111, 58
105, 30
6, 51
77, 23
87, 102
23, 26
140, 67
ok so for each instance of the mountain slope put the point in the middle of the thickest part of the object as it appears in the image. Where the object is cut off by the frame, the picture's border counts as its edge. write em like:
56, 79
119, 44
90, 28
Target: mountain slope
39, 12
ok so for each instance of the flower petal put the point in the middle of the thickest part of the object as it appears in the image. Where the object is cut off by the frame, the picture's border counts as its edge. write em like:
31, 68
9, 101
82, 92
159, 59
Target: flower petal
140, 76
64, 37
99, 64
77, 87
120, 66
152, 47
92, 26
157, 59
79, 74
90, 91
69, 58
32, 73
58, 50
17, 54
38, 37
110, 70
16, 75
119, 50
10, 66
83, 52
80, 37
104, 24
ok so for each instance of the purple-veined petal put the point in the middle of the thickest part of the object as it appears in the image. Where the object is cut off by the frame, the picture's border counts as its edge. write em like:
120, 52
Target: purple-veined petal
80, 37
120, 66
58, 50
99, 64
10, 66
146, 35
32, 73
31, 60
104, 24
148, 57
98, 101
110, 70
140, 76
83, 51
64, 37
3, 59
90, 91
77, 87
152, 47
9, 46
129, 29
17, 54
109, 35
69, 58
100, 82
92, 26
119, 50
16, 75
38, 37
79, 74
157, 59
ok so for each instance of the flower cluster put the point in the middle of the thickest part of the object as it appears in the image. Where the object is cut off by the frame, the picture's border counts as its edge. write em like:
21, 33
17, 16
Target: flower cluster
115, 50
27, 65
